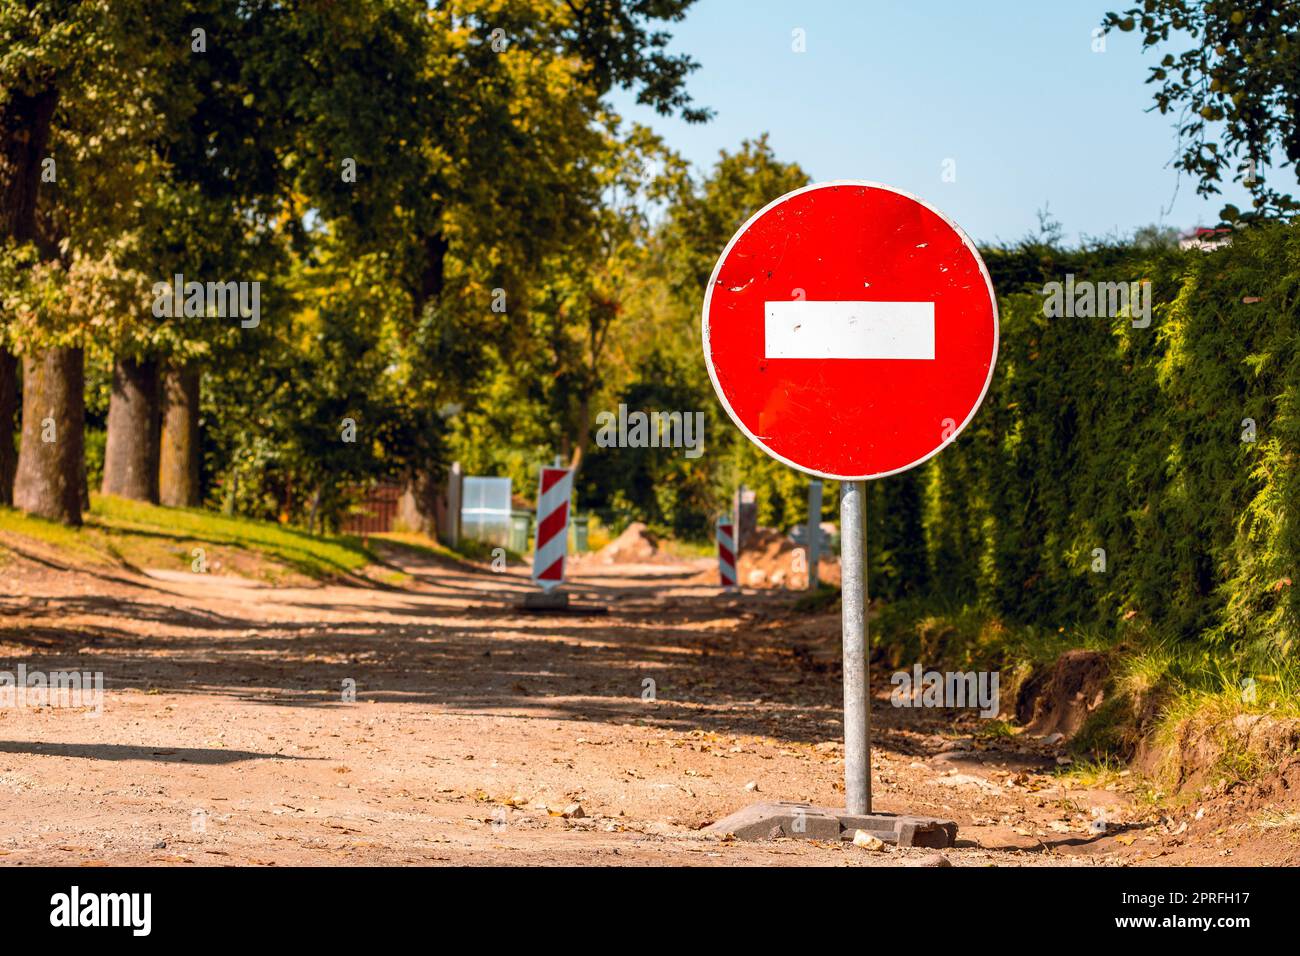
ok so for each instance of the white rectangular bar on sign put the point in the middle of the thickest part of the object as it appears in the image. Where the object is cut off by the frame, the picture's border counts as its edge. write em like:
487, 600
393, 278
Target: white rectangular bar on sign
848, 330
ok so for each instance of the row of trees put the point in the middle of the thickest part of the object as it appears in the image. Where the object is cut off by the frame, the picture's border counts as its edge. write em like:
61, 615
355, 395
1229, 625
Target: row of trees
1231, 93
460, 251
421, 192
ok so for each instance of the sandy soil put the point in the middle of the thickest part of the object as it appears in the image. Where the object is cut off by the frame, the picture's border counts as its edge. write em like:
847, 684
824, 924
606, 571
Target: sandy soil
225, 738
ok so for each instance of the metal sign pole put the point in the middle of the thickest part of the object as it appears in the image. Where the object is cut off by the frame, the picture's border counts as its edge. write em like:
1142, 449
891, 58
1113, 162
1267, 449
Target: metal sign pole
814, 530
857, 680
937, 317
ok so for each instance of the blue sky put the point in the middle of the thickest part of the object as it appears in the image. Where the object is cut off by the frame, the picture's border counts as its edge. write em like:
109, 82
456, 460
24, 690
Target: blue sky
889, 89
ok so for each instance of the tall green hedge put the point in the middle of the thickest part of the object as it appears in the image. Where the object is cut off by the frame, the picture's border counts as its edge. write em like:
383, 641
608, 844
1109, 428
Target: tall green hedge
1098, 435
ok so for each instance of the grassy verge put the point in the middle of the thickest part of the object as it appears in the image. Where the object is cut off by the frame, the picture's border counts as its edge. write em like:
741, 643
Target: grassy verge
825, 598
120, 532
688, 549
468, 551
1164, 697
970, 638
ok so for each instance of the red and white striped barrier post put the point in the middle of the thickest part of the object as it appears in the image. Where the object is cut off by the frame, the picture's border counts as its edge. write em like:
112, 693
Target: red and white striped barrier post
726, 552
552, 541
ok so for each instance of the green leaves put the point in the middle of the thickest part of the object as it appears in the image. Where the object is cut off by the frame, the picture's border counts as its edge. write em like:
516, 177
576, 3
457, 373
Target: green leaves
383, 168
1097, 435
1241, 70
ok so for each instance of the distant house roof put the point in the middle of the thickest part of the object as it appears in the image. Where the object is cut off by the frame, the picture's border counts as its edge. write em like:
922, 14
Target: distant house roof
1206, 238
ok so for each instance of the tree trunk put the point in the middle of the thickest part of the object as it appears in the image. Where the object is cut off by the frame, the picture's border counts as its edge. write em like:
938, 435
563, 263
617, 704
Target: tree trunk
131, 453
315, 510
83, 485
231, 495
578, 455
432, 273
8, 416
416, 509
49, 479
178, 457
417, 506
24, 133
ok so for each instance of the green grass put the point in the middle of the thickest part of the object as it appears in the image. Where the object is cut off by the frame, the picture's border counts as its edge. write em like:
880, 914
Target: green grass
599, 534
995, 728
968, 637
118, 531
1108, 773
469, 549
1093, 773
73, 541
824, 598
1160, 690
1274, 820
688, 549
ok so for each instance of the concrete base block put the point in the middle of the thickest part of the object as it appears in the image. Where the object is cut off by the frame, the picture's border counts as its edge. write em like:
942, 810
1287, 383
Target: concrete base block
770, 821
556, 602
546, 601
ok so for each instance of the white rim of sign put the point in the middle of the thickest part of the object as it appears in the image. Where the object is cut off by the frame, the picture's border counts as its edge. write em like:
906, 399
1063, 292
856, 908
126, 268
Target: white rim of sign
708, 352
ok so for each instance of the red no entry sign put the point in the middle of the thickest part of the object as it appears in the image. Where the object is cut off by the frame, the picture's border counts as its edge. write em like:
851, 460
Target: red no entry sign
850, 330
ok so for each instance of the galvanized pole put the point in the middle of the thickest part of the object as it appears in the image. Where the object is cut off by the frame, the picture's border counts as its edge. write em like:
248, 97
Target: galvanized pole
857, 680
814, 530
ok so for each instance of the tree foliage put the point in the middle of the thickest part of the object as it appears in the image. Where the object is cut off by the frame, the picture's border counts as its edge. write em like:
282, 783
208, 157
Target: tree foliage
1242, 70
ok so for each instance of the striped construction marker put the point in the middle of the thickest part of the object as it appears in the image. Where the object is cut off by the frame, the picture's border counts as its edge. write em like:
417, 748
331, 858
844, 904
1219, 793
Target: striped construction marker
552, 542
726, 552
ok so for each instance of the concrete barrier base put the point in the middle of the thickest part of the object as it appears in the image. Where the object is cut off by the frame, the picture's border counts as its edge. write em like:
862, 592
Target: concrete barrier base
546, 601
771, 821
556, 602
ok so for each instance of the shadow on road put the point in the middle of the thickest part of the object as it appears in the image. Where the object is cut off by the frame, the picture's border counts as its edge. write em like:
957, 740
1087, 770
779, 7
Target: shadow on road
196, 755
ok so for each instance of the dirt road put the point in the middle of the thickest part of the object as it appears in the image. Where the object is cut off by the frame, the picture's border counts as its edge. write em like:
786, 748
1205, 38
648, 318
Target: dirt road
225, 736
